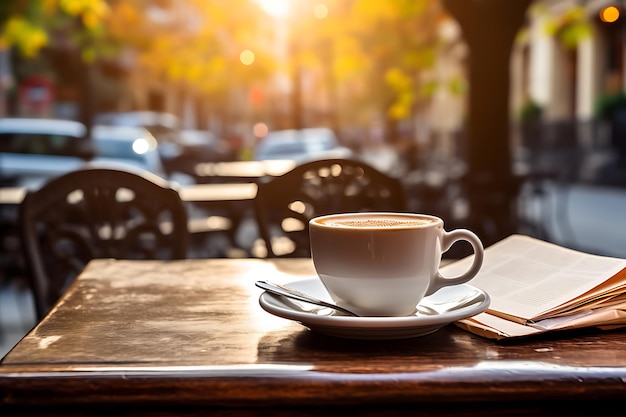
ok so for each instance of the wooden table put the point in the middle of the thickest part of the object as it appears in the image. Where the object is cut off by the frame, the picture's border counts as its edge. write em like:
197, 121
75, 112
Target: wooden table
189, 338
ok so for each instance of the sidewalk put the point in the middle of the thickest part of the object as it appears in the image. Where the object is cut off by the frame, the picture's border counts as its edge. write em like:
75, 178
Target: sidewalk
589, 218
17, 316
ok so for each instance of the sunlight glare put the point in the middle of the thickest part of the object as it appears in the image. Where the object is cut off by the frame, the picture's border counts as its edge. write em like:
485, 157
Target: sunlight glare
276, 8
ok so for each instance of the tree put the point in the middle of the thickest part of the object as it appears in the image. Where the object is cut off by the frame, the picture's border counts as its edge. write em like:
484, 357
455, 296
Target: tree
198, 44
368, 55
30, 25
379, 51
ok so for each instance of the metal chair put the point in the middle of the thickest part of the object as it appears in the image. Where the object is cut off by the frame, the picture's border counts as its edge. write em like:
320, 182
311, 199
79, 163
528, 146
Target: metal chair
97, 212
286, 203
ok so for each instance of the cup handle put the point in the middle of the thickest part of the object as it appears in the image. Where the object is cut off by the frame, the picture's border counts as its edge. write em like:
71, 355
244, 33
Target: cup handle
449, 239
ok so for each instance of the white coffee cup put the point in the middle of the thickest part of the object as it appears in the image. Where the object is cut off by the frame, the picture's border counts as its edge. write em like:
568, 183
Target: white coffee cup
383, 264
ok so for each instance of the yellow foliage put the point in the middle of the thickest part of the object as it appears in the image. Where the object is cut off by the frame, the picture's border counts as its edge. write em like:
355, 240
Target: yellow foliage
372, 49
28, 32
92, 12
71, 7
403, 86
570, 27
399, 111
90, 19
28, 37
77, 7
398, 80
375, 10
348, 65
123, 16
50, 6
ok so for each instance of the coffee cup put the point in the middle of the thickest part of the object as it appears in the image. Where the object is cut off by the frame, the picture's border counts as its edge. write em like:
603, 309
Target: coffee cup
383, 264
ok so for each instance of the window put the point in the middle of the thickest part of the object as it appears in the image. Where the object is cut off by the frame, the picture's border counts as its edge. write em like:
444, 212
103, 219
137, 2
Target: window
38, 144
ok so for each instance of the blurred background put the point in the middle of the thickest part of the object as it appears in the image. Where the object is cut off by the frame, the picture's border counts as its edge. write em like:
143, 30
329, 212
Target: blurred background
499, 116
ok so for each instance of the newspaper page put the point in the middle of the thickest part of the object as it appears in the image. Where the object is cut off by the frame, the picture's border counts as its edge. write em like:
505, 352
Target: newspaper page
494, 327
529, 279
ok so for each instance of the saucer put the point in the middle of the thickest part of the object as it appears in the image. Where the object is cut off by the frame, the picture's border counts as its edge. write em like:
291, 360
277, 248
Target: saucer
446, 306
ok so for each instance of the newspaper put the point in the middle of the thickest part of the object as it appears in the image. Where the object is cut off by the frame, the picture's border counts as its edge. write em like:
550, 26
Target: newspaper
536, 286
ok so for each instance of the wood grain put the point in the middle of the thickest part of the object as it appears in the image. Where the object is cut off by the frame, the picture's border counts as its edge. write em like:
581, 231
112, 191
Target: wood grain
187, 337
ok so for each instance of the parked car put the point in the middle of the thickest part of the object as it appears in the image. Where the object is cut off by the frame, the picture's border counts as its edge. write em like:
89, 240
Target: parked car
144, 118
165, 127
198, 146
128, 145
206, 145
35, 150
180, 149
301, 145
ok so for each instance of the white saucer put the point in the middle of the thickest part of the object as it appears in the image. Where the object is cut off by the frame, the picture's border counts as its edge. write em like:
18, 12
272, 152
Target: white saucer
447, 305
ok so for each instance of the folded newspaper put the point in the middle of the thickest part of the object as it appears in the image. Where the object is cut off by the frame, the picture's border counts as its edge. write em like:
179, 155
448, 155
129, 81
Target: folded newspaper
537, 287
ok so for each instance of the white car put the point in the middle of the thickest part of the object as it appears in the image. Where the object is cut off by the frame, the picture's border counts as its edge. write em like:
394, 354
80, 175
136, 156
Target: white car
33, 151
180, 149
164, 126
301, 145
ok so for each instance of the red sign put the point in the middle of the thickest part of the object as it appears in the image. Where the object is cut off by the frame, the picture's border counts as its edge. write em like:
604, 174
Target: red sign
36, 93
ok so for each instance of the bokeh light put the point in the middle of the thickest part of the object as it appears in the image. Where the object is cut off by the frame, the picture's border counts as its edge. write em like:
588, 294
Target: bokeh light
246, 57
141, 146
320, 10
260, 130
609, 14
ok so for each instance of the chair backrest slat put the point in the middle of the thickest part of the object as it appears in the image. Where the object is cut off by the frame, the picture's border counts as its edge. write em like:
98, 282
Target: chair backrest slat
97, 212
286, 203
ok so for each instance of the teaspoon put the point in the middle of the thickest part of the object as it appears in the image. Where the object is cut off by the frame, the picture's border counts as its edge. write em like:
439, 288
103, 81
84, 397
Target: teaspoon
423, 308
297, 295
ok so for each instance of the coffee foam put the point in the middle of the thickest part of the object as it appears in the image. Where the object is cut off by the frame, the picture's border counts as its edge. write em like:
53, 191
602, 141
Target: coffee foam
378, 222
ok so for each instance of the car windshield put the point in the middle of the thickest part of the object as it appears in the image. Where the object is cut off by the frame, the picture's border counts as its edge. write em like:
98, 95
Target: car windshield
38, 143
320, 145
287, 148
117, 149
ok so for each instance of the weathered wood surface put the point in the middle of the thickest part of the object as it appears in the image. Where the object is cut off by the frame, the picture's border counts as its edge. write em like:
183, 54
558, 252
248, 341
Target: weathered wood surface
189, 336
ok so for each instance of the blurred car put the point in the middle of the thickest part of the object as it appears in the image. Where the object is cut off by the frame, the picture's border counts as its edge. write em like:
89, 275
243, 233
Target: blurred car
206, 145
180, 149
301, 145
144, 118
35, 150
165, 127
127, 145
199, 146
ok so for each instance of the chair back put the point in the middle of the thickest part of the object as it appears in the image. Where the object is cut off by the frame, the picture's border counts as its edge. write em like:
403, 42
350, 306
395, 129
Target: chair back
97, 212
285, 204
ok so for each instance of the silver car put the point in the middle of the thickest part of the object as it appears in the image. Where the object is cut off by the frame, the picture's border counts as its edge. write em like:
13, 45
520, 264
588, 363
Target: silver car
300, 145
35, 150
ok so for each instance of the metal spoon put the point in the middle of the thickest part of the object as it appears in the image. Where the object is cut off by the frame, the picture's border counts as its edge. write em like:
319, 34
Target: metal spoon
422, 308
297, 295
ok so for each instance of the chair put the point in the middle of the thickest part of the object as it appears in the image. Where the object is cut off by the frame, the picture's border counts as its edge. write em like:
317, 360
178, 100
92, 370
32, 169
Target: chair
284, 204
97, 212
